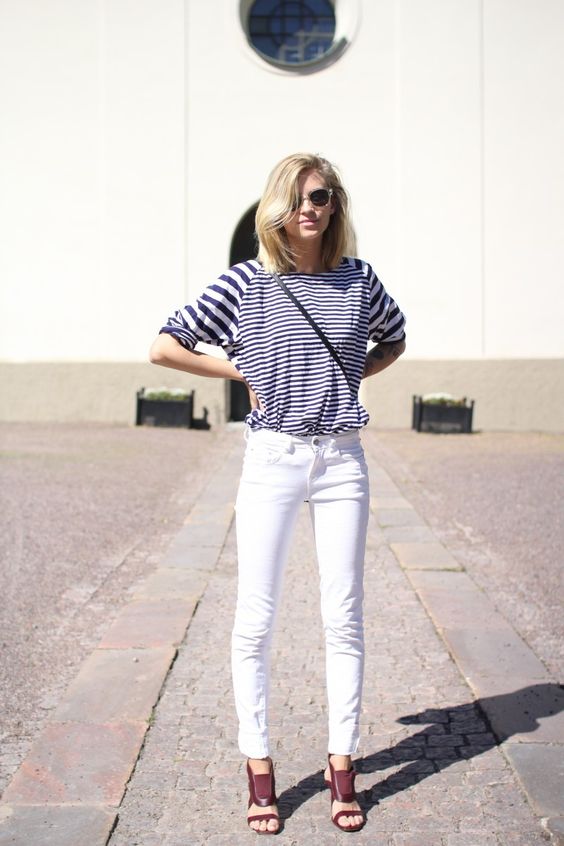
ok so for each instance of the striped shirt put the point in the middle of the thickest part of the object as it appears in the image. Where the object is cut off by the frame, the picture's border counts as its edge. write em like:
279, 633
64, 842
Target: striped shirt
300, 387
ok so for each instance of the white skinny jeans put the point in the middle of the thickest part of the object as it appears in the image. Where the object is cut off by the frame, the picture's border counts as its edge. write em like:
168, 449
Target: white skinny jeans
279, 472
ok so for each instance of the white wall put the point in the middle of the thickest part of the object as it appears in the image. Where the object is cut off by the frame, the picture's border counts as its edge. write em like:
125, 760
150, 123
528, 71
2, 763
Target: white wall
136, 133
524, 177
439, 177
244, 115
92, 176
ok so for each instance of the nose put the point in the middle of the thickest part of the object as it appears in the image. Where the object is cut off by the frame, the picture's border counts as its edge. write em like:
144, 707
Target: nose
309, 208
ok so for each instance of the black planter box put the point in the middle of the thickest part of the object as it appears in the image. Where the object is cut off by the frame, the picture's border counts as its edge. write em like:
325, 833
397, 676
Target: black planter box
442, 417
160, 412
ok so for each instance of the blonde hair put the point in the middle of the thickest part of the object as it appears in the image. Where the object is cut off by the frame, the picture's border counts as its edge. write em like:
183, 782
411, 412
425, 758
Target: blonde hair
277, 206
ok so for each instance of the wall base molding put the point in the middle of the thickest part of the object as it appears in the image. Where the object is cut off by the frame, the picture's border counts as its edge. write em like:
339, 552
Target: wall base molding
510, 395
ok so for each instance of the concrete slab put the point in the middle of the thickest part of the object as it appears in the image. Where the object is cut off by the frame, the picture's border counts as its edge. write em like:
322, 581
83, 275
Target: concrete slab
524, 712
185, 551
173, 583
378, 502
540, 768
453, 600
77, 762
382, 484
116, 685
55, 825
424, 556
202, 534
438, 581
206, 513
409, 534
399, 517
223, 494
149, 623
493, 654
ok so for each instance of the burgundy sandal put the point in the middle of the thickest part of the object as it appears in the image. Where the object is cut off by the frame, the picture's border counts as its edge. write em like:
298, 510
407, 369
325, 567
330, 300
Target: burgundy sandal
262, 792
342, 790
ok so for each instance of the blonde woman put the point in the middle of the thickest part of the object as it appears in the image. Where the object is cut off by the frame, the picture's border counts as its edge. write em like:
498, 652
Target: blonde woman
303, 443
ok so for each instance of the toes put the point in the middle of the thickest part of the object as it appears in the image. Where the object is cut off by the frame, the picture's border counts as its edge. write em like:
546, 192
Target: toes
347, 822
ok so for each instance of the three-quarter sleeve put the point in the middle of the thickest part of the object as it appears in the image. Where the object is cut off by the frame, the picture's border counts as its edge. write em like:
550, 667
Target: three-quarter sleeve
386, 320
214, 316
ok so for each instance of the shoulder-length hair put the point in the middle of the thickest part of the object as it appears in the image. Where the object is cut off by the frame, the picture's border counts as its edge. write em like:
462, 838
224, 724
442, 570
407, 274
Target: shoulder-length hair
278, 204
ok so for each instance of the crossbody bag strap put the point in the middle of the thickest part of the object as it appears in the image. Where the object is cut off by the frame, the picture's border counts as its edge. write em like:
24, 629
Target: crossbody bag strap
319, 332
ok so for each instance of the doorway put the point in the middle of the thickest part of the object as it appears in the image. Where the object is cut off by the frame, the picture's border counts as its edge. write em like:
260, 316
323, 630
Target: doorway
243, 248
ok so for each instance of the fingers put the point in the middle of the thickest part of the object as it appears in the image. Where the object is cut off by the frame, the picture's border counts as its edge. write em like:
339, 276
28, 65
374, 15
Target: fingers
254, 400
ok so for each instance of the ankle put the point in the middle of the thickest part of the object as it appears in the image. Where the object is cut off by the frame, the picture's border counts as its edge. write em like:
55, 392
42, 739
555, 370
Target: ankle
340, 762
260, 766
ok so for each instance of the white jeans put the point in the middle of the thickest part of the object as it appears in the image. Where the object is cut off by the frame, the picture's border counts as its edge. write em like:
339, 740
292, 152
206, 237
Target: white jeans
279, 473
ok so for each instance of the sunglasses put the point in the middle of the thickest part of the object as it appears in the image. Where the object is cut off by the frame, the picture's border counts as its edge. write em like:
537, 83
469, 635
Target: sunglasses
319, 197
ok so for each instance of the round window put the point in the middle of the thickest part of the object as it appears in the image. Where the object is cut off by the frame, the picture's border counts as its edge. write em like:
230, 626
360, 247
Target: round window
292, 33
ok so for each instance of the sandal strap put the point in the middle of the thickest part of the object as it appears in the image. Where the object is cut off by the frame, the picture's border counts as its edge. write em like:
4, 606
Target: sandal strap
262, 787
335, 819
342, 784
260, 817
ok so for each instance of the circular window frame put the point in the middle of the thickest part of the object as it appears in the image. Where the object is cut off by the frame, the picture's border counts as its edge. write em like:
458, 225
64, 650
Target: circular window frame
347, 19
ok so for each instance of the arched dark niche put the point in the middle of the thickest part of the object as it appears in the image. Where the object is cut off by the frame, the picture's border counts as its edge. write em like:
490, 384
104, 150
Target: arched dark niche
243, 248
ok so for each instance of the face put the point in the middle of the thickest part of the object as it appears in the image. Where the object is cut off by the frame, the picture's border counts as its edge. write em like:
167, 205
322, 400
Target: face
309, 222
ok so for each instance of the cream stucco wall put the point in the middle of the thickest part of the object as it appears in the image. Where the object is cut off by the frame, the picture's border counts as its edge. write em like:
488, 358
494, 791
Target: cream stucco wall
136, 134
509, 394
92, 158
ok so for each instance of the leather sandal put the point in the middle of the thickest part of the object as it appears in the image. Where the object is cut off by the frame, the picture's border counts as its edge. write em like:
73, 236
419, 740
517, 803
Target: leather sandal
262, 792
342, 790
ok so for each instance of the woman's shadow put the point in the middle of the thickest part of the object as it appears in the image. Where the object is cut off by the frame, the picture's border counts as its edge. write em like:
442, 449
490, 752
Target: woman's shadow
450, 734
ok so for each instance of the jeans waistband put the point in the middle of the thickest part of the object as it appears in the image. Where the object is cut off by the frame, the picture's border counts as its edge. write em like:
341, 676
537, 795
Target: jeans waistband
285, 441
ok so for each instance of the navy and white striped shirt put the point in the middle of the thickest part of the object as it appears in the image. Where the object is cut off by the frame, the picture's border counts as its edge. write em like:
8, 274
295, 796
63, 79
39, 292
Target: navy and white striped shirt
301, 388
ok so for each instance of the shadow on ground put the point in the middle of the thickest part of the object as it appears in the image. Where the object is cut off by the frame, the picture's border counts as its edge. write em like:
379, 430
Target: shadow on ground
451, 734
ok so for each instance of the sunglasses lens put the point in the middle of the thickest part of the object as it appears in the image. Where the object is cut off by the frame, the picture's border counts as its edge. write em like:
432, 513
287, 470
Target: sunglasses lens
320, 197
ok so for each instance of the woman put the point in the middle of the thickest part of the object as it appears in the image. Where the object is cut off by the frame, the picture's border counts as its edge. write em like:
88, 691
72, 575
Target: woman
302, 444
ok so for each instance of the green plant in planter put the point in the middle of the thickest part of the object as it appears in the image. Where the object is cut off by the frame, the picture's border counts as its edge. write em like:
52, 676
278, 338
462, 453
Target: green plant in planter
166, 394
443, 399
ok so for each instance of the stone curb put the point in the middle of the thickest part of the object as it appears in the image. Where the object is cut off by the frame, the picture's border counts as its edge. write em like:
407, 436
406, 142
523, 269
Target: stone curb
70, 785
523, 704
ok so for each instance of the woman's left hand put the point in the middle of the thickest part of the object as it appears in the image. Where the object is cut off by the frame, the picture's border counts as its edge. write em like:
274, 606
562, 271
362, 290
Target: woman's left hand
254, 400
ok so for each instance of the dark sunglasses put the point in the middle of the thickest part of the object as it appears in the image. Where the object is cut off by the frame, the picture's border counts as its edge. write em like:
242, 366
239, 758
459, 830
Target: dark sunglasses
319, 197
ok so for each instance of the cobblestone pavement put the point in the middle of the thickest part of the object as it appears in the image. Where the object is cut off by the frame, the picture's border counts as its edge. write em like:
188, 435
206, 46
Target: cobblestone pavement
462, 723
430, 770
495, 499
86, 510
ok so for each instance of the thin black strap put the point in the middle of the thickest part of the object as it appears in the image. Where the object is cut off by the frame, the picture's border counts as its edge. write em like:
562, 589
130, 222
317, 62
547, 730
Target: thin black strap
319, 332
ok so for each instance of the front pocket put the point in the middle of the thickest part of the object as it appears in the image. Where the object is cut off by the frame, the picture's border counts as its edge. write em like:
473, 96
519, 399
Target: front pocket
262, 454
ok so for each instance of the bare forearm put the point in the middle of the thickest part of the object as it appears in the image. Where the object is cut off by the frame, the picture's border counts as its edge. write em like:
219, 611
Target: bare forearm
167, 352
381, 356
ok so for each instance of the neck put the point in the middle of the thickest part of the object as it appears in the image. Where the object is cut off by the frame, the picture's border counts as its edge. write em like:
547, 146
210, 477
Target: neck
308, 259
